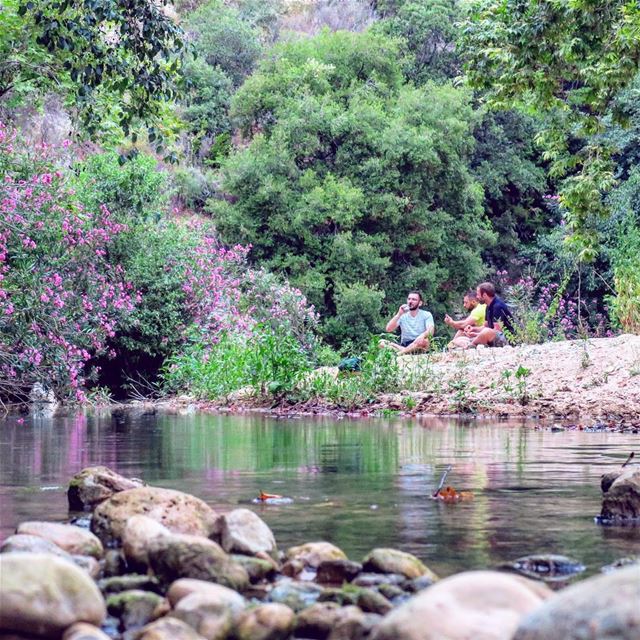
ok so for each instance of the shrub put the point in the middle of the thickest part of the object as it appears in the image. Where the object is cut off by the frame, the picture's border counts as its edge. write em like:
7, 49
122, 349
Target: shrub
625, 305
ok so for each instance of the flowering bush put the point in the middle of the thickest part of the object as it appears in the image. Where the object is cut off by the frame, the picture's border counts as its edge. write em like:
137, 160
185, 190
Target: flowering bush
60, 298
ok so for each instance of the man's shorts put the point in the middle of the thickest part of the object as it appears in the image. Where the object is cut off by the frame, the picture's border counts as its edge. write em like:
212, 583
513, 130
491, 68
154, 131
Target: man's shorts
499, 341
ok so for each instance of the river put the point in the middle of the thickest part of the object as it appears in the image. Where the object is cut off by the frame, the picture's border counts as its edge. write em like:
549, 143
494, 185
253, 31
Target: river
359, 484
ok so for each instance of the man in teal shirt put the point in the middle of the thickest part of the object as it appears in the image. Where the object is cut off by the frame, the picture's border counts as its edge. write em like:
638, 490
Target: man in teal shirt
416, 326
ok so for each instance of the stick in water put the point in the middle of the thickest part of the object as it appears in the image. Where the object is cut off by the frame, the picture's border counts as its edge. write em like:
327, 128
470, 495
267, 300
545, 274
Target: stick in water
629, 459
442, 479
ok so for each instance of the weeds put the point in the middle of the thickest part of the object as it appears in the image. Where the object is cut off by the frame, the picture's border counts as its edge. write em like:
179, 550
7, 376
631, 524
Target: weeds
515, 384
462, 390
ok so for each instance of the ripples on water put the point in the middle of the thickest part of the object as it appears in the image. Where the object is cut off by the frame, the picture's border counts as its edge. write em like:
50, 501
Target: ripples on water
358, 484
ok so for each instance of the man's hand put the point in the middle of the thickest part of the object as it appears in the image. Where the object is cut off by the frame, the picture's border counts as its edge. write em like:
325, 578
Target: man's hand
402, 310
448, 319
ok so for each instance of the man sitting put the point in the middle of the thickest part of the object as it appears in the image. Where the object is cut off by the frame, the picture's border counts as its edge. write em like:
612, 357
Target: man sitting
498, 318
475, 318
416, 326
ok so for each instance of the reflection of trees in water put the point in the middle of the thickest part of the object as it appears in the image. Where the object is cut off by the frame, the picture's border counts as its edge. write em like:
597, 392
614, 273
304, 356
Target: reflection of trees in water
341, 457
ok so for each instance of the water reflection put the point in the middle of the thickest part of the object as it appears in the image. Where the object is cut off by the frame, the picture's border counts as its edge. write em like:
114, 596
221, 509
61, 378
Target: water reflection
358, 484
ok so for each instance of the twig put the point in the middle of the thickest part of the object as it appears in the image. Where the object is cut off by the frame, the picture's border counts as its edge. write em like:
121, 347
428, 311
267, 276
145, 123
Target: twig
629, 459
442, 479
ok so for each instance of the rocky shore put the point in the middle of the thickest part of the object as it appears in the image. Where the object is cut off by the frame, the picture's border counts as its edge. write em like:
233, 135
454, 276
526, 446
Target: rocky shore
147, 563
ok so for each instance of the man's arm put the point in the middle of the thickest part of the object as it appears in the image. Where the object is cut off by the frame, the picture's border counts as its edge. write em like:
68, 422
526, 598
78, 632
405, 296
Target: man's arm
392, 325
460, 324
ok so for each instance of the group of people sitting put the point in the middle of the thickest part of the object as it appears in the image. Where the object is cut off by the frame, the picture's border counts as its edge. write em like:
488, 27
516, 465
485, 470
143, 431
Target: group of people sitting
489, 317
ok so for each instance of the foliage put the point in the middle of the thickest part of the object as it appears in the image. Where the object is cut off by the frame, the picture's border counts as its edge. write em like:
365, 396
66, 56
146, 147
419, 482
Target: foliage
62, 297
116, 59
352, 181
568, 60
515, 383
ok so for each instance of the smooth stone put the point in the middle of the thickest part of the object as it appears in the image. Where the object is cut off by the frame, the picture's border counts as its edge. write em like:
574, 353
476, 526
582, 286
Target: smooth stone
337, 571
606, 606
168, 628
128, 582
257, 568
187, 556
313, 554
93, 485
474, 604
68, 537
383, 560
211, 618
133, 608
179, 512
22, 542
621, 501
137, 535
43, 594
296, 595
418, 584
270, 621
353, 624
377, 579
214, 593
113, 563
317, 620
292, 568
84, 631
242, 531
371, 601
88, 563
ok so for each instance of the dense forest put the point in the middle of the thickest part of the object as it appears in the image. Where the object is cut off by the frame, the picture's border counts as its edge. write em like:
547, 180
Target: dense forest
210, 194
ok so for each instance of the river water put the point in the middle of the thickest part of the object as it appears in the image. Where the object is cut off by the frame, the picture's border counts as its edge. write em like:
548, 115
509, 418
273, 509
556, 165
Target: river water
359, 484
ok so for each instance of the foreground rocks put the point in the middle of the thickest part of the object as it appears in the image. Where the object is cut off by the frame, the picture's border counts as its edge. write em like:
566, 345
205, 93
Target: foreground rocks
178, 571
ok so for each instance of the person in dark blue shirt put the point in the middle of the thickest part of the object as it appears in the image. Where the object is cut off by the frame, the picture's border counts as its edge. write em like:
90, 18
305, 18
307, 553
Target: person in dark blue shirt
498, 319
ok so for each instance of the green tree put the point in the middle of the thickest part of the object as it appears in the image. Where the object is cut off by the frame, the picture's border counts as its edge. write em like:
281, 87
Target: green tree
353, 181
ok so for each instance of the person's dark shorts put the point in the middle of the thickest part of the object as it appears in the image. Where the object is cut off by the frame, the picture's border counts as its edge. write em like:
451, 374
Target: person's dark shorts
499, 341
405, 343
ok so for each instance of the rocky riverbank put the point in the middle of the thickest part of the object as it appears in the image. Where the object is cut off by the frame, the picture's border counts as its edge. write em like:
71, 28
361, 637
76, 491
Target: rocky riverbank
147, 563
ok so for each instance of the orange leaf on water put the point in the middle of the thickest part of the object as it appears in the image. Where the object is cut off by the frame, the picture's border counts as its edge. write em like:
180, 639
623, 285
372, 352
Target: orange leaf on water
268, 496
449, 494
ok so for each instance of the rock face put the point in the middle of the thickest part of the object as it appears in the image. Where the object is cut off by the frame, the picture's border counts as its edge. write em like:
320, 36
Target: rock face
42, 594
600, 607
266, 622
621, 500
313, 554
394, 561
93, 485
179, 512
68, 537
185, 556
483, 605
242, 531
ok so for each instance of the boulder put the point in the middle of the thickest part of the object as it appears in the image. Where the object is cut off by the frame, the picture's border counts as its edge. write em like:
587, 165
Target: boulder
378, 579
484, 605
93, 485
114, 563
216, 594
337, 571
134, 608
313, 554
185, 556
353, 624
296, 595
242, 531
605, 606
137, 535
373, 602
128, 582
317, 620
88, 563
179, 512
621, 500
393, 561
168, 628
32, 544
257, 568
68, 537
43, 594
210, 617
84, 631
266, 622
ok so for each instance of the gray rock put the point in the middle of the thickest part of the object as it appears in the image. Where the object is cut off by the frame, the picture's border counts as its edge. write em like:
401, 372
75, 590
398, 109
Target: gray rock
384, 560
266, 622
168, 628
312, 554
72, 539
184, 556
296, 595
133, 608
93, 485
257, 568
621, 501
353, 624
43, 594
32, 544
597, 608
371, 601
179, 512
43, 402
210, 617
212, 593
128, 582
377, 579
137, 535
337, 571
88, 563
84, 631
242, 531
113, 563
317, 620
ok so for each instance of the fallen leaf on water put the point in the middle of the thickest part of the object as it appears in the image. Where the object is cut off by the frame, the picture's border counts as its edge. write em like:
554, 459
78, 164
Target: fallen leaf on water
449, 494
268, 496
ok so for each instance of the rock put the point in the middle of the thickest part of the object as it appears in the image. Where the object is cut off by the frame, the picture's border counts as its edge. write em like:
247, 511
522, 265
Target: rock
185, 556
418, 584
393, 561
179, 512
43, 402
117, 584
84, 631
266, 622
599, 607
214, 593
211, 618
317, 620
373, 602
168, 628
474, 604
242, 531
137, 535
257, 568
114, 563
313, 554
392, 593
621, 500
337, 571
547, 567
353, 624
88, 563
43, 594
93, 485
33, 544
621, 563
377, 579
133, 608
292, 568
296, 595
68, 537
